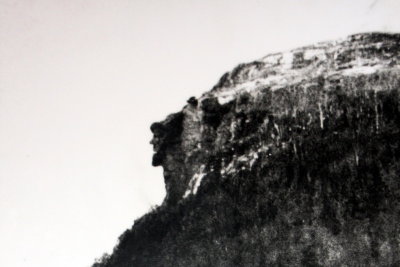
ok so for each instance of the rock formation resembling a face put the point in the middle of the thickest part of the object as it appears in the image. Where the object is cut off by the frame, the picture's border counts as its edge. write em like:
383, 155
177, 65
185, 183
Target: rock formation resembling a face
290, 160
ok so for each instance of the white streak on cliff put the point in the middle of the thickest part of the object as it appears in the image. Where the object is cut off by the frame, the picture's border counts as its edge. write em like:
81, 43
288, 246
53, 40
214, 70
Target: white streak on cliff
195, 182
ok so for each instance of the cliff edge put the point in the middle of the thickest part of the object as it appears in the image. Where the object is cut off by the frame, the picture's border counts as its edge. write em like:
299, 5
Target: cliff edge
290, 160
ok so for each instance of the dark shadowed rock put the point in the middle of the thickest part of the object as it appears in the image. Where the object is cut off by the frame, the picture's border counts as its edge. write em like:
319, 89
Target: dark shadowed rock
290, 160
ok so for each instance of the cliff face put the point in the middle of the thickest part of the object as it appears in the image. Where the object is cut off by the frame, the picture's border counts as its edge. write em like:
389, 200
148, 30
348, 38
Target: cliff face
290, 160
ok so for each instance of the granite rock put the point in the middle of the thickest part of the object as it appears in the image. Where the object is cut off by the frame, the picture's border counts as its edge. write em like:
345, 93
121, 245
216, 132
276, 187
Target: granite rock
290, 160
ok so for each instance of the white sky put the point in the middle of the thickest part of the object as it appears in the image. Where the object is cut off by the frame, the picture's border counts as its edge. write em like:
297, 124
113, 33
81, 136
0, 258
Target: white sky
81, 82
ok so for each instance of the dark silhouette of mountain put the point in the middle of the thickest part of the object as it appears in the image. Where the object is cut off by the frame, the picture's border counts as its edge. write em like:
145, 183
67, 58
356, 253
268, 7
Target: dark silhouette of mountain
290, 160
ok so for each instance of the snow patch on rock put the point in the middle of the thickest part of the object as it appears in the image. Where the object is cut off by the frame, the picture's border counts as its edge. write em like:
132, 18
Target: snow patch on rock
362, 70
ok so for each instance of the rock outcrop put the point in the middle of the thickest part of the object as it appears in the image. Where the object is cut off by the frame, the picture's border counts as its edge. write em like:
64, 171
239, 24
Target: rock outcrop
290, 160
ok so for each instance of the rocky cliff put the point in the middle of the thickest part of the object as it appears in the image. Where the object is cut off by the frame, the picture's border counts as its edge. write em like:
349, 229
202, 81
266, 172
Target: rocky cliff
290, 160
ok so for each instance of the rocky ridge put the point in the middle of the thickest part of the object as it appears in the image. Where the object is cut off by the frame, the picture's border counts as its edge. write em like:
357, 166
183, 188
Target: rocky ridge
308, 67
290, 160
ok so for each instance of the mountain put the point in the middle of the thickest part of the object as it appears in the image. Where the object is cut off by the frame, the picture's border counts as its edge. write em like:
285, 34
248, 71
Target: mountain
290, 160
